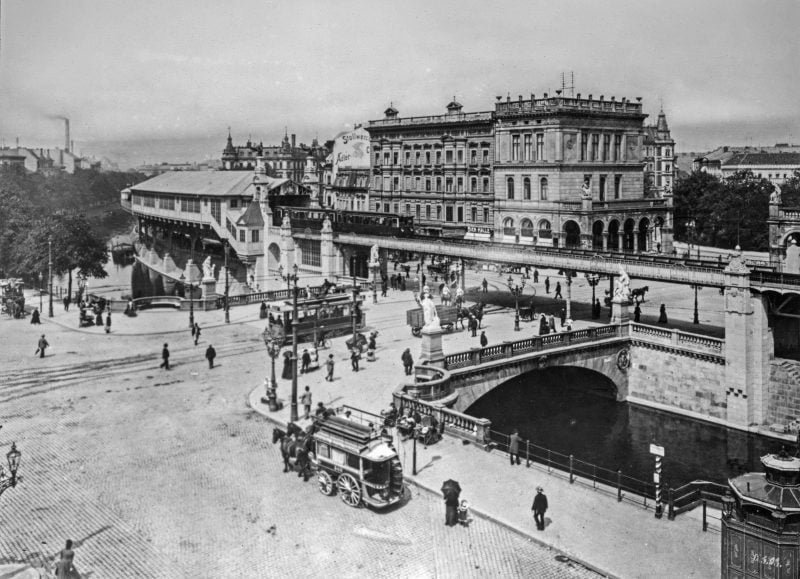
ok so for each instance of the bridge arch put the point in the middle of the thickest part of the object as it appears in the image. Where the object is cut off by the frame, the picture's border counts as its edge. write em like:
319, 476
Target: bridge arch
783, 315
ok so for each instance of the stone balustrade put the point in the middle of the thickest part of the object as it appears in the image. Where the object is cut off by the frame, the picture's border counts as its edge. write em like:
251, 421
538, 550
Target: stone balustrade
450, 421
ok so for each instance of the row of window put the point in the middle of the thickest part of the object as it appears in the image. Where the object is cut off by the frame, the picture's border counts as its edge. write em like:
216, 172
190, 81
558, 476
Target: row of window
429, 157
451, 185
451, 214
528, 150
543, 187
186, 204
526, 228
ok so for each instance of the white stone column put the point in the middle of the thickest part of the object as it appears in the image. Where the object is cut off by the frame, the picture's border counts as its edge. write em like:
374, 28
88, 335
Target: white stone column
288, 255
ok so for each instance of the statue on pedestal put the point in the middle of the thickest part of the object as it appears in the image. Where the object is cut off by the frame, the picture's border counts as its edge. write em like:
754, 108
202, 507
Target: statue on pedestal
430, 316
775, 196
374, 255
586, 190
208, 269
623, 289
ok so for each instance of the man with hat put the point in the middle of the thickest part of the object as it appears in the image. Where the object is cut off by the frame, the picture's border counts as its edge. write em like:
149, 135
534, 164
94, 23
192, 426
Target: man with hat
539, 508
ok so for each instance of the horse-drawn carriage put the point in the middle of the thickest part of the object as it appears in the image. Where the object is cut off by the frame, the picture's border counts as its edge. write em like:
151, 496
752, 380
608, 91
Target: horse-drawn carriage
351, 455
447, 318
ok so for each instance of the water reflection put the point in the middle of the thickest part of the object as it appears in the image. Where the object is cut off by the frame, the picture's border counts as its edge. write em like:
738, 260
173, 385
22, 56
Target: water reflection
574, 411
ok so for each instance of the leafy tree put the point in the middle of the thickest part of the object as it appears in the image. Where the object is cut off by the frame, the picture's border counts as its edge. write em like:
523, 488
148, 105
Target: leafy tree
74, 247
790, 191
693, 196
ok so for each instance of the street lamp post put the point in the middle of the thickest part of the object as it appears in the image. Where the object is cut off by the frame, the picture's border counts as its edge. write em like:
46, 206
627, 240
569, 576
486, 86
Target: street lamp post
593, 280
516, 291
353, 307
40, 292
293, 277
696, 319
274, 344
13, 458
227, 286
191, 301
50, 275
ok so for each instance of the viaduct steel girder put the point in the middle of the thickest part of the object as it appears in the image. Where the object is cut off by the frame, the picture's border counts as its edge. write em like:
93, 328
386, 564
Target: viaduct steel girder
502, 253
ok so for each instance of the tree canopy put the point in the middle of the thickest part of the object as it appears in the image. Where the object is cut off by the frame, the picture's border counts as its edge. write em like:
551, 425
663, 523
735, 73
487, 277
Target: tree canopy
725, 213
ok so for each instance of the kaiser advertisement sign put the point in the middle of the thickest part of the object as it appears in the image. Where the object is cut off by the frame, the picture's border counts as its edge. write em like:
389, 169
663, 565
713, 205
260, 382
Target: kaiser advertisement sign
351, 150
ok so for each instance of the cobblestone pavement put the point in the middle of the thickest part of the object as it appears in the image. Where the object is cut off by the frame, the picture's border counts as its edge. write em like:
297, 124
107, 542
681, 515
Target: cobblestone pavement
158, 474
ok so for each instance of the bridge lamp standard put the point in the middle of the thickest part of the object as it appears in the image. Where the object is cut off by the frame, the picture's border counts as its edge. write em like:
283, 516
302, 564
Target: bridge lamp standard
227, 285
191, 298
696, 319
593, 279
516, 291
13, 458
50, 274
291, 278
40, 292
274, 344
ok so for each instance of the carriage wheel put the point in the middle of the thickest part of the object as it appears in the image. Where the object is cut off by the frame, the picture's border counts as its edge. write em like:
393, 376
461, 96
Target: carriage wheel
349, 490
325, 483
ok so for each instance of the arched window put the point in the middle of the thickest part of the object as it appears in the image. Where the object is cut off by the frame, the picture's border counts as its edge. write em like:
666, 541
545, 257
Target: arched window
543, 188
544, 229
526, 228
508, 225
526, 189
510, 187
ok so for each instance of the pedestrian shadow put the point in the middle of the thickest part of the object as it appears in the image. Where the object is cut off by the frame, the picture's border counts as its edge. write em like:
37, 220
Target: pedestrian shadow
429, 463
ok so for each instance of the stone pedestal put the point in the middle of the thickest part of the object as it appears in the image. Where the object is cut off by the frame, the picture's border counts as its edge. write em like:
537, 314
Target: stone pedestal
619, 310
431, 347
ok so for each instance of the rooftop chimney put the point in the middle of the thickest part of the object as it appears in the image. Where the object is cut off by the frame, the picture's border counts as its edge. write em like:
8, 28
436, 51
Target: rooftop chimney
66, 130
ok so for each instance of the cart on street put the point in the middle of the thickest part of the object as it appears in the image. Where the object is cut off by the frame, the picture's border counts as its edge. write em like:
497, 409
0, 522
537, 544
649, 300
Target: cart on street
447, 318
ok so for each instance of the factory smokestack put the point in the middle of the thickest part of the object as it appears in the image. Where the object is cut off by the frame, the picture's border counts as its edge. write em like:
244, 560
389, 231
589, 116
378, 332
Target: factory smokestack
66, 129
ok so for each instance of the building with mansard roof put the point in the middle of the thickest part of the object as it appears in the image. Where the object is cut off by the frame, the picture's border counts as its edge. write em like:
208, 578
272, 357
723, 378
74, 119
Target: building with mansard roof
659, 157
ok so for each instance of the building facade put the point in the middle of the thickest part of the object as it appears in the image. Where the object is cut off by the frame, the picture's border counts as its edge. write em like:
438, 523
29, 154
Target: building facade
775, 167
437, 169
285, 161
568, 172
659, 157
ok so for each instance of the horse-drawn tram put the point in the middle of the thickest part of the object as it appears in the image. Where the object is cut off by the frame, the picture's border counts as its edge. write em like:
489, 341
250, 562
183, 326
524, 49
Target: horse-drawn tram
329, 316
352, 457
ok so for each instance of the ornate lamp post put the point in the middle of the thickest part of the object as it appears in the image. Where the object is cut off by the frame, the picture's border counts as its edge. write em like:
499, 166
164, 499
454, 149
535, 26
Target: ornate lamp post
227, 285
50, 274
291, 278
13, 458
274, 342
593, 279
516, 291
40, 292
355, 291
691, 225
191, 301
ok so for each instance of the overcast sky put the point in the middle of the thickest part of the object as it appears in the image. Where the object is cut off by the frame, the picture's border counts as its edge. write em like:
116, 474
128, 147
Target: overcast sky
147, 81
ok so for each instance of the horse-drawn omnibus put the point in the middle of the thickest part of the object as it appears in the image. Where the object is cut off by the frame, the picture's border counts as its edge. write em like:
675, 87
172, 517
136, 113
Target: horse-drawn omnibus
350, 452
318, 318
352, 457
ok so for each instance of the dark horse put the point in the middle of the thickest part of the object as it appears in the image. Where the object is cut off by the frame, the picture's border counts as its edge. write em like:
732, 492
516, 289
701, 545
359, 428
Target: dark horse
474, 310
637, 295
294, 445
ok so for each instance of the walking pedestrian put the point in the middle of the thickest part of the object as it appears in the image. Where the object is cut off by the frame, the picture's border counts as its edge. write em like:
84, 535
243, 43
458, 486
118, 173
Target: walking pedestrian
211, 353
305, 360
196, 333
108, 322
66, 301
542, 325
305, 399
355, 356
408, 361
165, 357
563, 317
98, 319
662, 314
637, 313
329, 363
597, 308
451, 508
286, 373
557, 295
547, 284
35, 316
484, 339
485, 285
43, 345
513, 446
472, 325
535, 275
539, 508
384, 287
65, 568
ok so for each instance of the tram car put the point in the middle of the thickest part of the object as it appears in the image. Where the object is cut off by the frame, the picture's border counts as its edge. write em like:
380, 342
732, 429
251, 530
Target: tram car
353, 456
318, 318
363, 222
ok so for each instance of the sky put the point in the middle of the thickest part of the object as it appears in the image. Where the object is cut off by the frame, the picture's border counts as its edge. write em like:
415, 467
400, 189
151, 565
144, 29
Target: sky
150, 81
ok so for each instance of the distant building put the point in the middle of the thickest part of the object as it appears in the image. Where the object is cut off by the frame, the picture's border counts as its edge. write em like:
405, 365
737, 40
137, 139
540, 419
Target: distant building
776, 167
39, 160
659, 158
347, 171
713, 161
286, 161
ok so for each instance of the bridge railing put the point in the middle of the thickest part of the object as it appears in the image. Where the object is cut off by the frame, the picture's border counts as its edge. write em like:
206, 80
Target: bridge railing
627, 487
686, 340
477, 356
450, 421
690, 495
775, 278
158, 301
277, 295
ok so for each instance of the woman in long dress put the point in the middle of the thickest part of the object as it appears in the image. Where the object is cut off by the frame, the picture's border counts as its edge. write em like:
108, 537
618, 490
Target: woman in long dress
65, 568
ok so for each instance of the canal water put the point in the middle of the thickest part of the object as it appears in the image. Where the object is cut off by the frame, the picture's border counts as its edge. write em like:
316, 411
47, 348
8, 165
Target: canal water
573, 411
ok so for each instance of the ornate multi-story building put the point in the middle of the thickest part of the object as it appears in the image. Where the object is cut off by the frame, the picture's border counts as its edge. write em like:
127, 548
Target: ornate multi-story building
285, 161
659, 158
569, 172
437, 169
